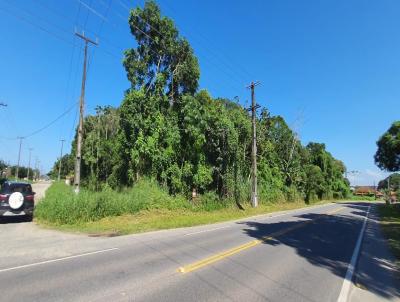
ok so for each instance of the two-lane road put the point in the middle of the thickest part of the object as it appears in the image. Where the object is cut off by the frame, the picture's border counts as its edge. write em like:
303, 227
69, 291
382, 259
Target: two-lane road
301, 255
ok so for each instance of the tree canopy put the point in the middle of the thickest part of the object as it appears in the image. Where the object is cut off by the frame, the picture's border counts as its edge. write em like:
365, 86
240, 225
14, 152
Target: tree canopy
387, 157
168, 130
393, 180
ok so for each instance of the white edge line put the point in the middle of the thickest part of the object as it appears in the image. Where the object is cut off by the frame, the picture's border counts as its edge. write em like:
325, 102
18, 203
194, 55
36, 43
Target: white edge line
263, 217
344, 293
295, 211
204, 231
56, 260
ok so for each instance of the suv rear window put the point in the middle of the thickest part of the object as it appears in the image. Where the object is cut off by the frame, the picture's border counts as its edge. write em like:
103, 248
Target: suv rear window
16, 187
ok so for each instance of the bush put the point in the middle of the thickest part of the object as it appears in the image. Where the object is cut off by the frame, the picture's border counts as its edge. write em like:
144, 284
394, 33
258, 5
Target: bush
210, 201
271, 196
62, 206
292, 194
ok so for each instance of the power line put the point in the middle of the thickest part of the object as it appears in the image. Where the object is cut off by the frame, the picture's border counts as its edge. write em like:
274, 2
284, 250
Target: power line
208, 62
49, 32
44, 127
234, 73
76, 72
99, 31
51, 123
92, 10
110, 43
224, 54
36, 25
230, 75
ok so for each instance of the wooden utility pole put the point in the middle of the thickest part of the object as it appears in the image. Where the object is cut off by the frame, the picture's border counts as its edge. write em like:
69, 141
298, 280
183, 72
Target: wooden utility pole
81, 109
60, 163
19, 156
35, 170
253, 108
38, 169
29, 163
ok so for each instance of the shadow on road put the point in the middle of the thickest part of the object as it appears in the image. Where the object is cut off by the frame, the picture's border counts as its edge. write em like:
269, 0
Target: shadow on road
328, 241
14, 219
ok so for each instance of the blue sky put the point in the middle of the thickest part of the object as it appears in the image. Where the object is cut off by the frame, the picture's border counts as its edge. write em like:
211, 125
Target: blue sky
330, 68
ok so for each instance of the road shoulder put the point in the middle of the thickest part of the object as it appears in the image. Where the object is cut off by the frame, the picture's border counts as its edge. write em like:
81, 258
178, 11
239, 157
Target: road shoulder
376, 278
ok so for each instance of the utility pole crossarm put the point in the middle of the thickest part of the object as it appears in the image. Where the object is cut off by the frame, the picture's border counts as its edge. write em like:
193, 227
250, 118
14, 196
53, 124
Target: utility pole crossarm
86, 39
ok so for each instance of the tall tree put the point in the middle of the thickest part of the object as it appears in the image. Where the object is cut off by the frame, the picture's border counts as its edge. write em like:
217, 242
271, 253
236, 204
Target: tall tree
188, 141
387, 157
393, 180
163, 61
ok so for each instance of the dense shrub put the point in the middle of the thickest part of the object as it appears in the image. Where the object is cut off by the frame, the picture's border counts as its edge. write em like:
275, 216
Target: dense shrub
62, 206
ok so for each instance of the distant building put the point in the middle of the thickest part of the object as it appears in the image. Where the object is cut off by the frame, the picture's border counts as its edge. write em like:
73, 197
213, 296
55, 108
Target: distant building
367, 191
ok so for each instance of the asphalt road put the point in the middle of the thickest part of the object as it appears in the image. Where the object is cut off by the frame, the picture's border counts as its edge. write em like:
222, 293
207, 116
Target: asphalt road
40, 189
301, 255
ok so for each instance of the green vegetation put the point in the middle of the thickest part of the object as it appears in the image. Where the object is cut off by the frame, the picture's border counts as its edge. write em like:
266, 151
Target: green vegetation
393, 180
62, 206
186, 141
387, 156
10, 171
390, 221
144, 207
362, 198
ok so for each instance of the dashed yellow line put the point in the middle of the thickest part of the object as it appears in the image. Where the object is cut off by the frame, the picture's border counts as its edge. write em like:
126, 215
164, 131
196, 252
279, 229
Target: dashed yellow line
219, 256
335, 211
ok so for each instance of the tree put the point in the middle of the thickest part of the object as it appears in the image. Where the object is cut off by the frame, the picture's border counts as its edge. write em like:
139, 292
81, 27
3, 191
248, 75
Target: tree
186, 140
163, 62
315, 183
335, 185
387, 157
99, 148
3, 165
393, 179
67, 167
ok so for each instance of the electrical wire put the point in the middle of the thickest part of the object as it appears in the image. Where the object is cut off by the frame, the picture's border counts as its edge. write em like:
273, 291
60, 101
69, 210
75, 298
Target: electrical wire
36, 25
233, 75
44, 127
105, 51
208, 41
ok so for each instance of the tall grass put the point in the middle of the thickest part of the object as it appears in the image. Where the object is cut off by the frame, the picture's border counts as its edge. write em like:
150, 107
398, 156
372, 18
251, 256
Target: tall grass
62, 206
390, 223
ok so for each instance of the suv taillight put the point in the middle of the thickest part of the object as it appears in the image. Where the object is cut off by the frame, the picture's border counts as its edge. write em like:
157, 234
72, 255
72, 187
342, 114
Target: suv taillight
29, 197
3, 197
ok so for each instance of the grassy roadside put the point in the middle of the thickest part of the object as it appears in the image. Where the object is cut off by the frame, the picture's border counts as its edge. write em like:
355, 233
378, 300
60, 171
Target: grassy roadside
145, 207
159, 219
390, 222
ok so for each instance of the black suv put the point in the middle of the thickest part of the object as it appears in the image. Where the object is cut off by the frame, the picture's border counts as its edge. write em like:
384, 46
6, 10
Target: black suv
16, 198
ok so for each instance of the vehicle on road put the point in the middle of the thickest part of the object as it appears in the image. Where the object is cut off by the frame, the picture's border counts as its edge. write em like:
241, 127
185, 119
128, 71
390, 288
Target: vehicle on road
17, 199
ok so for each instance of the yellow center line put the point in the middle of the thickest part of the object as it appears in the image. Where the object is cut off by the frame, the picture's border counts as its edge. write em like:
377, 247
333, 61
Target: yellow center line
219, 256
